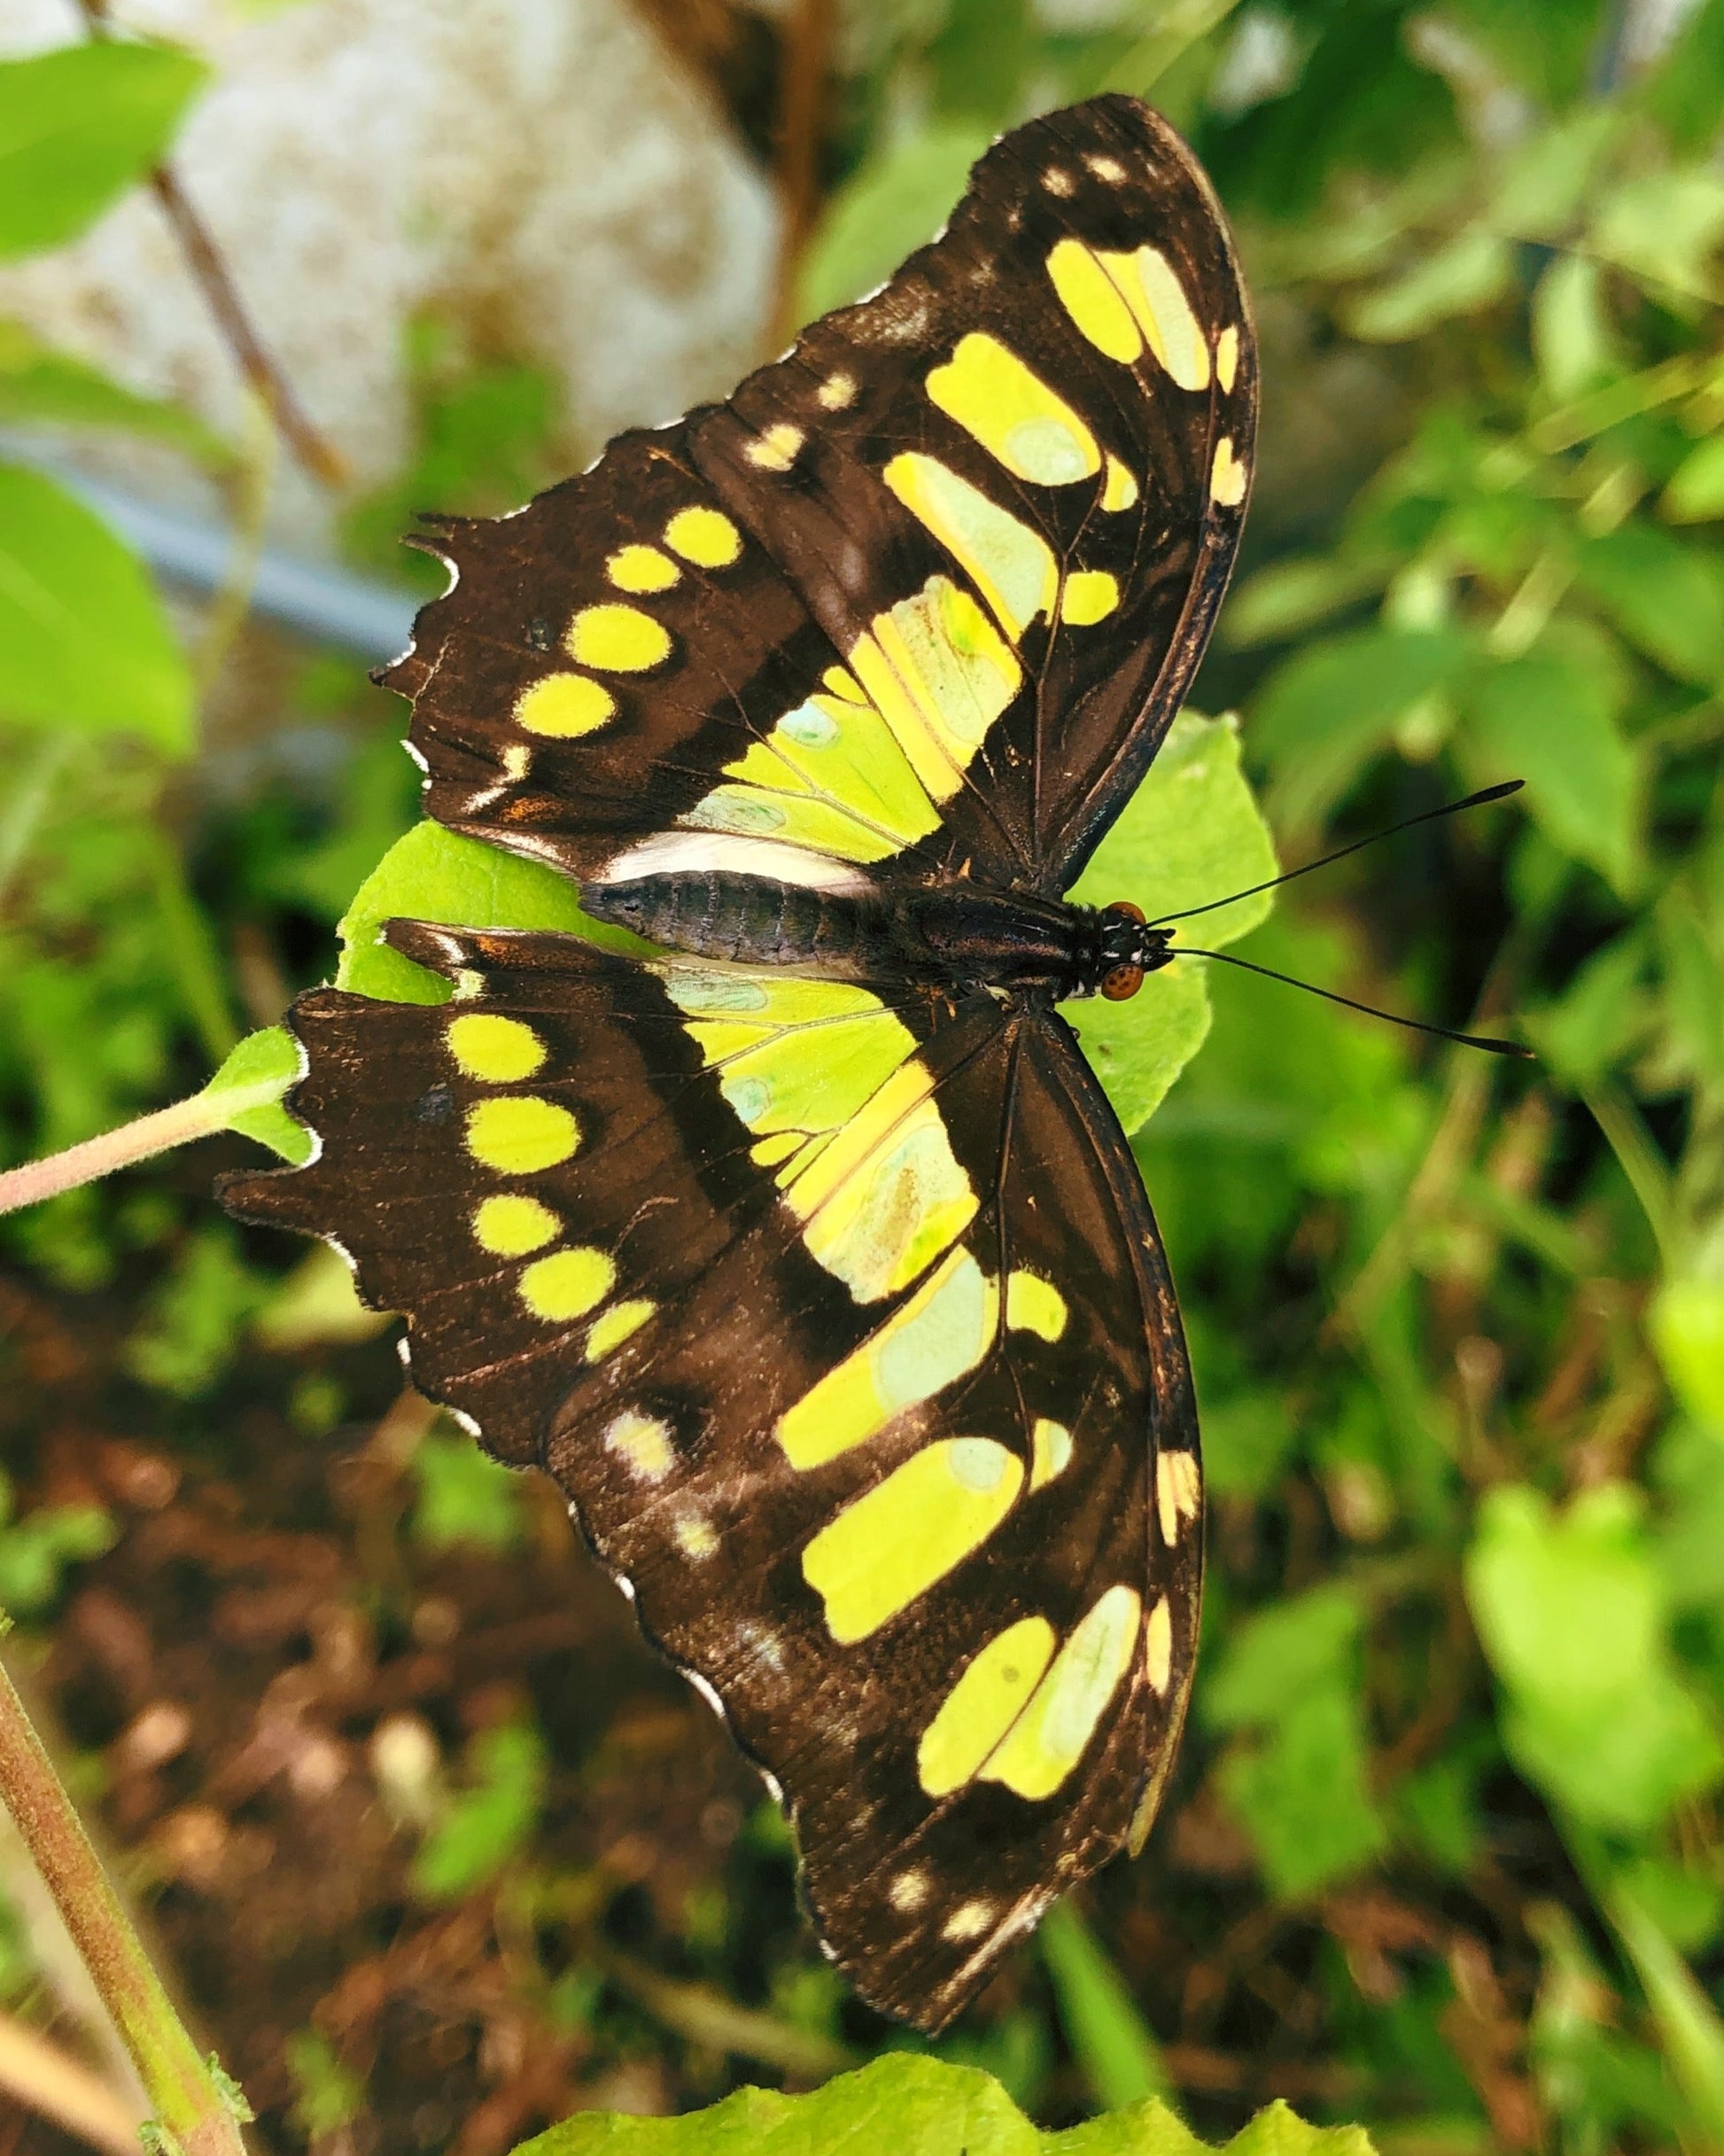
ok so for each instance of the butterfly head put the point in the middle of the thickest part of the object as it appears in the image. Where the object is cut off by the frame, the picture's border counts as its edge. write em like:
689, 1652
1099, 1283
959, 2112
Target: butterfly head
1129, 949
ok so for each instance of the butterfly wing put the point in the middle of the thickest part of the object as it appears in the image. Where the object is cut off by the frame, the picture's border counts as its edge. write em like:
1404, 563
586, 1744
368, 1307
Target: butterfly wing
926, 592
844, 1325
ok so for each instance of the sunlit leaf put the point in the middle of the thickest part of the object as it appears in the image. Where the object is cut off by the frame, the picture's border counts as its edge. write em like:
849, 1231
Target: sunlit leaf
1665, 593
1571, 1611
1191, 834
41, 386
1663, 228
1695, 492
1687, 1324
917, 2107
1549, 718
1473, 270
265, 1060
84, 643
78, 127
892, 204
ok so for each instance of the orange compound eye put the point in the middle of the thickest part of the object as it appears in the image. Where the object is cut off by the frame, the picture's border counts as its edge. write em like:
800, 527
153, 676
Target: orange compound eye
1123, 981
1125, 906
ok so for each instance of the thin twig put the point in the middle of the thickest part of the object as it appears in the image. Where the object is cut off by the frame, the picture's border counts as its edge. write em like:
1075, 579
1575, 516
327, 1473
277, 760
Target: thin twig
320, 457
807, 62
190, 2105
200, 1116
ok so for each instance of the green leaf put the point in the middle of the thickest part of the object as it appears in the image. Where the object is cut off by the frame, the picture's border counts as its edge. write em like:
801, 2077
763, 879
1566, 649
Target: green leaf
1549, 718
84, 643
434, 875
262, 1059
1695, 492
1103, 2023
1281, 1651
892, 204
1664, 229
1323, 714
1687, 1324
45, 387
1472, 270
494, 1819
919, 2106
192, 1330
78, 127
1191, 833
464, 1496
1571, 1611
1604, 1014
1687, 2022
1665, 593
1572, 335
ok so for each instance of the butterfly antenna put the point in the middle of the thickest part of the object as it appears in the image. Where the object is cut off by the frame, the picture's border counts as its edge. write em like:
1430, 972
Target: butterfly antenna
1429, 815
1415, 1025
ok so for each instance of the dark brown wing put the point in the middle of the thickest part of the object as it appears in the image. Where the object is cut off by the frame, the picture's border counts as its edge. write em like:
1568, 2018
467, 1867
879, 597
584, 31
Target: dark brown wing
845, 1326
926, 591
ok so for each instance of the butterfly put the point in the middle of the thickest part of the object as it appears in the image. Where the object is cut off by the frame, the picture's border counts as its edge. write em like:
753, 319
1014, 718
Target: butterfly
796, 1239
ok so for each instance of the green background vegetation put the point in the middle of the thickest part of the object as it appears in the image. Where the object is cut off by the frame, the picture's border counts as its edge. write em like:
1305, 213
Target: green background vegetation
1442, 1854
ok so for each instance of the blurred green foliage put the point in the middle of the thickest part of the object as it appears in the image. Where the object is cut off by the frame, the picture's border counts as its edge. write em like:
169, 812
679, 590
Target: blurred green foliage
1459, 1328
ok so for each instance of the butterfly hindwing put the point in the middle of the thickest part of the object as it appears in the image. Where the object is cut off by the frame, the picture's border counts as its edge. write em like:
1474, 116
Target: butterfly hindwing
855, 1412
926, 591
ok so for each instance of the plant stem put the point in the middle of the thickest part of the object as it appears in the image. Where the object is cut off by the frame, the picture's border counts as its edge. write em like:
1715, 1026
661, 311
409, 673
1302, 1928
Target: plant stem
200, 1116
188, 2104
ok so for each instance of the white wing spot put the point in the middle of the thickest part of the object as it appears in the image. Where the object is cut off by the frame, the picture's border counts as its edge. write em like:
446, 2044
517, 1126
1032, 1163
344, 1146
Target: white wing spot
968, 1921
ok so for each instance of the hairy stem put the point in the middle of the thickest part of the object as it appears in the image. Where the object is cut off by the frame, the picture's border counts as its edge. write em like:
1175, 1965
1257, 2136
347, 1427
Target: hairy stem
200, 1116
189, 2104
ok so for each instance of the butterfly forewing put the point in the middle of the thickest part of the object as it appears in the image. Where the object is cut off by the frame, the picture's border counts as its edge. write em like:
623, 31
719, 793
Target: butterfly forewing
836, 1307
926, 591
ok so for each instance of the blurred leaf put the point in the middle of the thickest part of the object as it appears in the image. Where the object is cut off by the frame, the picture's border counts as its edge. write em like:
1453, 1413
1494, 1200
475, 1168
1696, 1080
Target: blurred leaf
1189, 834
1685, 91
328, 2094
1687, 1324
1103, 2024
978, 57
1665, 228
1545, 177
1603, 1014
40, 386
197, 1316
919, 2107
62, 572
1572, 339
1178, 26
1549, 718
1288, 597
1665, 593
316, 1305
77, 127
37, 1550
435, 875
494, 1817
1326, 710
1302, 1791
896, 201
268, 1057
1695, 492
1281, 1651
464, 1495
1472, 270
1571, 1612
1686, 2020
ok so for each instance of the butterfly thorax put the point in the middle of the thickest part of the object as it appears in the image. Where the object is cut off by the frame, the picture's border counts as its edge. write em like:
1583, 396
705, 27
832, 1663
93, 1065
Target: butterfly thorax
951, 933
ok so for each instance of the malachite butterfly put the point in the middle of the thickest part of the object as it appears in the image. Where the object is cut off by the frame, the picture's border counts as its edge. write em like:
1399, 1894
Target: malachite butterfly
800, 1243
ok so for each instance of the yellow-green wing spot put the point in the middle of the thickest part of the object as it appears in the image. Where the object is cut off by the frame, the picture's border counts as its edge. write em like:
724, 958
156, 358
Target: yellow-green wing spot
567, 1284
1013, 413
1050, 1736
1121, 302
942, 1333
1158, 1646
1050, 1451
1178, 1490
1012, 566
643, 1445
513, 1226
983, 1704
908, 1531
497, 1051
619, 1323
830, 775
873, 1179
521, 1135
